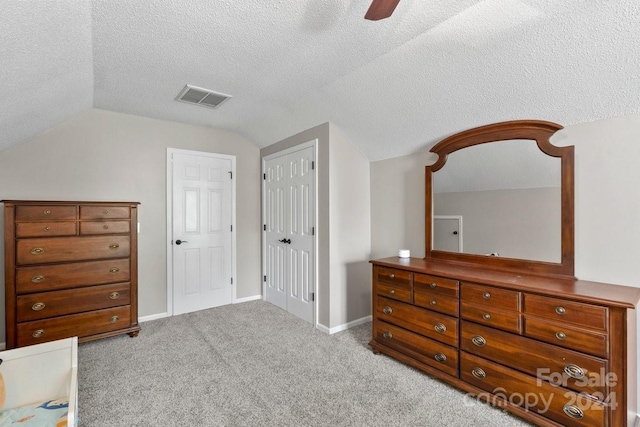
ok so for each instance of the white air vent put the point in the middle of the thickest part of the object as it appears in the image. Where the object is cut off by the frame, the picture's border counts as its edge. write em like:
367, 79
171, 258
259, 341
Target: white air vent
200, 96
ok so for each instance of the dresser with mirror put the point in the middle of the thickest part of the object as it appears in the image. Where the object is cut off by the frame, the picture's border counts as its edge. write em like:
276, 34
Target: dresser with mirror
494, 307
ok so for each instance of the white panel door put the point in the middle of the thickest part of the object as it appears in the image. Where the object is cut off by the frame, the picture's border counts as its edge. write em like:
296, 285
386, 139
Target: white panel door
202, 241
447, 233
289, 232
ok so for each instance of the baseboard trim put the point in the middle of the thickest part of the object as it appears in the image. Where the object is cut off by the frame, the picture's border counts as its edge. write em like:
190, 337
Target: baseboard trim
3, 346
153, 317
246, 299
344, 326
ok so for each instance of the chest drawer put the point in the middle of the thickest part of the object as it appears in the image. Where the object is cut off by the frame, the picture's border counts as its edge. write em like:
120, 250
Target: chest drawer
487, 315
58, 303
586, 315
35, 212
45, 229
104, 227
400, 293
424, 322
104, 212
80, 325
432, 285
60, 249
433, 353
490, 296
576, 371
566, 336
395, 278
559, 404
438, 303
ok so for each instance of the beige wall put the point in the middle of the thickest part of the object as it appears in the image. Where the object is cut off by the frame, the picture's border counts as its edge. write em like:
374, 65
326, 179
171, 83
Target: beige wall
101, 155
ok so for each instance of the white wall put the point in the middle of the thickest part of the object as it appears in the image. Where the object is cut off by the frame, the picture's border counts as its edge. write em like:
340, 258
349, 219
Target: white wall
101, 155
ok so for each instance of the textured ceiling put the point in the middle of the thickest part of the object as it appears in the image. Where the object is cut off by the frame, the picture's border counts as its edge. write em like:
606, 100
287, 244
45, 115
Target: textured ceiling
394, 86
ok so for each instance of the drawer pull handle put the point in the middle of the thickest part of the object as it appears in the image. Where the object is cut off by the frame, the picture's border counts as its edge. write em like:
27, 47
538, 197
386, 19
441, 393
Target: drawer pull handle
392, 291
105, 226
561, 311
47, 212
387, 310
479, 373
114, 270
114, 246
114, 319
433, 285
106, 212
392, 276
440, 357
486, 295
479, 341
561, 336
38, 333
387, 335
433, 302
574, 371
440, 328
573, 411
486, 316
47, 228
37, 306
37, 279
114, 295
37, 251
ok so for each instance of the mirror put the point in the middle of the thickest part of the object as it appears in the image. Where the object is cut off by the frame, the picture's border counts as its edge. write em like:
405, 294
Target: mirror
502, 195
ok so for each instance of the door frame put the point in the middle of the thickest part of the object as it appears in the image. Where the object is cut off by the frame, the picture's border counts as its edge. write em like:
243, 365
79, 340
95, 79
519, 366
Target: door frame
313, 144
459, 219
169, 213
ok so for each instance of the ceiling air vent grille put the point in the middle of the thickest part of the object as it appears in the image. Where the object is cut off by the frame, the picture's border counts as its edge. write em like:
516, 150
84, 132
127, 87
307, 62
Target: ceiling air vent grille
199, 96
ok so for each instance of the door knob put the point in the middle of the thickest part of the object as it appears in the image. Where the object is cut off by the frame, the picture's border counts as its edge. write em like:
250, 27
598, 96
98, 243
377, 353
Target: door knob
179, 242
285, 241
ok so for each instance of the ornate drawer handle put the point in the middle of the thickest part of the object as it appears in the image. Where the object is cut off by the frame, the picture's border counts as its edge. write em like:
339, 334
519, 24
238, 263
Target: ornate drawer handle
486, 295
114, 319
114, 295
37, 279
433, 302
114, 246
392, 276
392, 291
561, 311
479, 341
114, 270
573, 411
440, 357
37, 251
38, 333
47, 212
433, 285
479, 373
561, 336
574, 371
47, 228
387, 310
486, 316
440, 328
105, 226
387, 335
37, 306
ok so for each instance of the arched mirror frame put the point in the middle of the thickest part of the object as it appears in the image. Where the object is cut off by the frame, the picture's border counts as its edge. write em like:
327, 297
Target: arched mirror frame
539, 131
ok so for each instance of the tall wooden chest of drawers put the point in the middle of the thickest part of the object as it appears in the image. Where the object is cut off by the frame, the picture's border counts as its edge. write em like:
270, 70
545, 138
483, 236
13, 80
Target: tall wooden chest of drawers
70, 270
555, 351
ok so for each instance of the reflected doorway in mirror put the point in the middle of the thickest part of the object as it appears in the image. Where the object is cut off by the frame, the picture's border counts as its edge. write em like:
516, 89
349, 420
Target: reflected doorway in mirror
447, 233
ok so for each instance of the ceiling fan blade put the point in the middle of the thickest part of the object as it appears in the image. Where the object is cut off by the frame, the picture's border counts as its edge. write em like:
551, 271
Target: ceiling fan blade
381, 9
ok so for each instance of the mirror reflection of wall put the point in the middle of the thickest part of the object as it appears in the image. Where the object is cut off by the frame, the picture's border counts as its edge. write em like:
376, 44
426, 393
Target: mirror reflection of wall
508, 193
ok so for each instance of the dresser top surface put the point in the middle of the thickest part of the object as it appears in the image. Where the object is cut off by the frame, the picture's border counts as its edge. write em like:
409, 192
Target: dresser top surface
581, 290
69, 202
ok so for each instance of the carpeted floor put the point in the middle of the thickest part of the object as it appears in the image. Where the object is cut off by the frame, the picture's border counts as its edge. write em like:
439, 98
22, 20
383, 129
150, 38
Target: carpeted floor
253, 364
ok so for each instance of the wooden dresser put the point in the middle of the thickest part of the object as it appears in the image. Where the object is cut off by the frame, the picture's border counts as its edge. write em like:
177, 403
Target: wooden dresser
557, 352
70, 270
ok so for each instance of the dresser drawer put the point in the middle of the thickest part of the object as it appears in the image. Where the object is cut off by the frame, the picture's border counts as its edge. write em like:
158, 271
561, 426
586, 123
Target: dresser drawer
487, 315
429, 285
433, 353
60, 249
438, 303
104, 227
74, 275
396, 278
490, 296
80, 325
566, 336
561, 405
44, 212
570, 369
45, 229
104, 212
559, 310
400, 293
424, 322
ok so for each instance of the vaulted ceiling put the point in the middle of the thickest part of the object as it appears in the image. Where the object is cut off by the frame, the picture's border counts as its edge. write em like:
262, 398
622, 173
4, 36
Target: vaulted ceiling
394, 86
